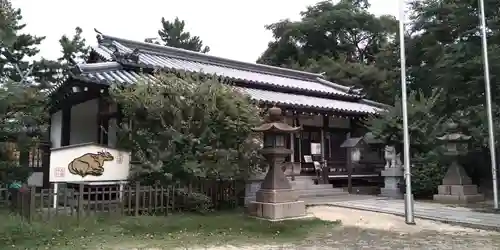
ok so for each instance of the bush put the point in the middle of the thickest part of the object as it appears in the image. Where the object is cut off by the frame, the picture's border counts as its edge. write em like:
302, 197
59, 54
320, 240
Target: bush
188, 126
193, 201
427, 173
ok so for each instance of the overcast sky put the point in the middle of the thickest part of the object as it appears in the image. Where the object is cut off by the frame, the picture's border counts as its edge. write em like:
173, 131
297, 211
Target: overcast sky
232, 28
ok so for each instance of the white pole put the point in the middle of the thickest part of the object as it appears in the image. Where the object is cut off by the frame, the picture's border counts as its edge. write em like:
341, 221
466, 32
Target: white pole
409, 218
491, 135
55, 194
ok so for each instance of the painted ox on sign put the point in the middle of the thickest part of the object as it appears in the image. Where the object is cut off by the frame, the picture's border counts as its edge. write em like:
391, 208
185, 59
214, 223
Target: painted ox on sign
89, 164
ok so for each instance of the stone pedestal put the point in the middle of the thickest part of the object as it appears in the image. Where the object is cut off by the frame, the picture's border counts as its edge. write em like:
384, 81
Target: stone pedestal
392, 178
457, 187
276, 200
279, 205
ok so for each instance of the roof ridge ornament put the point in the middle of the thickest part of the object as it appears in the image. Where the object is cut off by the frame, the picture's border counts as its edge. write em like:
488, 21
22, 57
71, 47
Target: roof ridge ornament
126, 56
98, 36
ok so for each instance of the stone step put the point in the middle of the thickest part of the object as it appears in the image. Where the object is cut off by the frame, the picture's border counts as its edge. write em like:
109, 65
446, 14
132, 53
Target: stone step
311, 186
321, 192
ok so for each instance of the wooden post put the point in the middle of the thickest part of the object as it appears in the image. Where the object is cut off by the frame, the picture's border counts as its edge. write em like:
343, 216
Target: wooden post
32, 201
136, 205
292, 147
297, 123
349, 167
45, 146
80, 202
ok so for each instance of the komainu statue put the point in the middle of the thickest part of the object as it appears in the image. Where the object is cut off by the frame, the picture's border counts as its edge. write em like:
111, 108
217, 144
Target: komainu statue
392, 159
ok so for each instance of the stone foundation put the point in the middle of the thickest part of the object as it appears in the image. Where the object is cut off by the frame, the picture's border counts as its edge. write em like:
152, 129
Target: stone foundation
277, 211
391, 193
461, 194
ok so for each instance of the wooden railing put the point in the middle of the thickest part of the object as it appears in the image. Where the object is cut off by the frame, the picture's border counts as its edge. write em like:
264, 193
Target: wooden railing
132, 200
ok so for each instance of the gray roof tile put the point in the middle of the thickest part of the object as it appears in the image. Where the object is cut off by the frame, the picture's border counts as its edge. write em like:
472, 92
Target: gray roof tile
129, 77
154, 59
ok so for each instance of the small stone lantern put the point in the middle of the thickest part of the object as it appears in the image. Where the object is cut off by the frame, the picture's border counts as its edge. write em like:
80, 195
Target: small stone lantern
454, 141
276, 200
457, 186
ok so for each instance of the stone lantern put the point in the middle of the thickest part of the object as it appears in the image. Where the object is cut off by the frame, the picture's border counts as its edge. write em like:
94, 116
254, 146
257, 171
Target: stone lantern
276, 200
457, 186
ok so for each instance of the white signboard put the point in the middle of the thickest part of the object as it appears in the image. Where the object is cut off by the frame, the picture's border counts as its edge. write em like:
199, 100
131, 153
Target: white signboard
315, 148
88, 163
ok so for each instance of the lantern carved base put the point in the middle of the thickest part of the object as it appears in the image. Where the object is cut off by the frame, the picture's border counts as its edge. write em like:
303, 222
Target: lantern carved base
392, 179
457, 187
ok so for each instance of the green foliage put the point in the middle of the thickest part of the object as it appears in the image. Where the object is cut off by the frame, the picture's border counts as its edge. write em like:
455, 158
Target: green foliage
22, 119
188, 126
193, 202
15, 46
423, 125
427, 172
172, 34
341, 39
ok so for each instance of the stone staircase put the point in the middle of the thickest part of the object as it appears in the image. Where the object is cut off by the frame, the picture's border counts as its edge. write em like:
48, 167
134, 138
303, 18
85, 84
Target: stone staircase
306, 188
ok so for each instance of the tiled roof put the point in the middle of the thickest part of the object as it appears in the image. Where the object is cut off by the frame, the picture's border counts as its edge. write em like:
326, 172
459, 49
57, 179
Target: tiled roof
123, 59
156, 56
115, 73
309, 101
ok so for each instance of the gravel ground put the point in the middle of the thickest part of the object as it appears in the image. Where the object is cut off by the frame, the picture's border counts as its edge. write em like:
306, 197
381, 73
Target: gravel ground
368, 230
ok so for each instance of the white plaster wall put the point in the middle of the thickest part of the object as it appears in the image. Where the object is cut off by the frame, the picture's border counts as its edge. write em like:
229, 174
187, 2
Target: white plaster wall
56, 129
84, 122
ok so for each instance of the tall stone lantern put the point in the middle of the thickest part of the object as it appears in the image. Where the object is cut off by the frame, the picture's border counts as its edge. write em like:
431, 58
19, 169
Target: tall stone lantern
276, 200
457, 186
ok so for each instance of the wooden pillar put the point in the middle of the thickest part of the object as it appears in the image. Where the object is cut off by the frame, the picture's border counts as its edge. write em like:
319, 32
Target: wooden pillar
297, 123
292, 147
325, 170
102, 121
324, 146
66, 126
45, 146
349, 167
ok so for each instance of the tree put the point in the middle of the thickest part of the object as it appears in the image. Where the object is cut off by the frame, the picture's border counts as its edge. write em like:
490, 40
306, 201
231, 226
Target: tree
343, 40
15, 46
188, 126
173, 34
423, 124
74, 51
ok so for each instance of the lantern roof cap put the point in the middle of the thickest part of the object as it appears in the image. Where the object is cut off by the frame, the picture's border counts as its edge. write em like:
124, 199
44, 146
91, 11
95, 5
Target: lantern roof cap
453, 133
275, 123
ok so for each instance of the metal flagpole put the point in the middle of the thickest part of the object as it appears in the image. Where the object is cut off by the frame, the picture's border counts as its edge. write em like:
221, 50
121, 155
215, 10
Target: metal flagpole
491, 136
409, 217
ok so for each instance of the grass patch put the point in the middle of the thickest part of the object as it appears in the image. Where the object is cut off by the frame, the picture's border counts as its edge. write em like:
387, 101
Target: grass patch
177, 230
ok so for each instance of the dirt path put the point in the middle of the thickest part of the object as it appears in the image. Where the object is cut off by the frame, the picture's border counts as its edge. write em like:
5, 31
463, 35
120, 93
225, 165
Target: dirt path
369, 230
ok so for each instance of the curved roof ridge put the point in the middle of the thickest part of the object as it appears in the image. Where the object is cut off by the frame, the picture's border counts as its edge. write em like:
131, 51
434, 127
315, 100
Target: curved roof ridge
197, 56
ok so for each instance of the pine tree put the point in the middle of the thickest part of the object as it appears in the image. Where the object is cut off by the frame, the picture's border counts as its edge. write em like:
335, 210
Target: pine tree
74, 51
15, 46
173, 34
